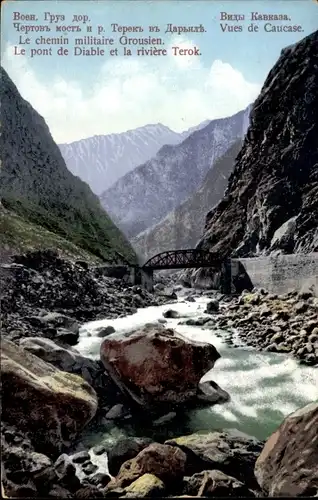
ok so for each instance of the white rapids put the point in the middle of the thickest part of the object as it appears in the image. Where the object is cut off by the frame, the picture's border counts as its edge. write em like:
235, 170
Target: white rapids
264, 387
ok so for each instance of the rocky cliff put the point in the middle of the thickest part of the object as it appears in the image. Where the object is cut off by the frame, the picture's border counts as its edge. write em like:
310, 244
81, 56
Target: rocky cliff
183, 227
101, 160
37, 188
271, 202
144, 196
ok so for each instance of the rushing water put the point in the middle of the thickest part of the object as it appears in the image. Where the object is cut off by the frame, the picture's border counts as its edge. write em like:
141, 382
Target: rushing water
264, 387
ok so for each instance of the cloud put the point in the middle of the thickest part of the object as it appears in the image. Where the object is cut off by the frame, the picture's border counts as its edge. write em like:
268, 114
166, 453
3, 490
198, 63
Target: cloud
174, 90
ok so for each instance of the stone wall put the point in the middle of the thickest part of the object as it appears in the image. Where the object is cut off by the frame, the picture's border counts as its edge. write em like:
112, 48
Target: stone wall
278, 274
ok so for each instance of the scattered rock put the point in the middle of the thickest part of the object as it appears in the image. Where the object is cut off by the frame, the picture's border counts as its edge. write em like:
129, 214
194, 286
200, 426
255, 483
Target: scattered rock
190, 299
273, 323
214, 483
27, 473
211, 392
123, 450
165, 462
99, 479
89, 468
147, 485
212, 307
225, 451
58, 491
29, 466
170, 313
66, 336
80, 457
66, 472
169, 293
196, 321
57, 320
99, 449
47, 296
66, 359
89, 492
104, 331
159, 287
116, 412
164, 419
300, 307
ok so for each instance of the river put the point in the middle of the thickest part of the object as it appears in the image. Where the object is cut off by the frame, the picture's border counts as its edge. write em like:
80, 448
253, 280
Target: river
264, 387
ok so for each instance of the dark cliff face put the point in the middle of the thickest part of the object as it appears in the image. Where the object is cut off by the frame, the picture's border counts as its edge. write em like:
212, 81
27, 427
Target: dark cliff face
35, 183
271, 203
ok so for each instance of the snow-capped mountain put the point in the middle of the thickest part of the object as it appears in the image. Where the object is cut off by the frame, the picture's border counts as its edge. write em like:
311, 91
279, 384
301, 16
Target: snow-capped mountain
142, 197
101, 160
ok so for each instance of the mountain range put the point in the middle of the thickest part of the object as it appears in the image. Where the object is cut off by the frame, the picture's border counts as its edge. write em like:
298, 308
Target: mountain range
144, 196
102, 159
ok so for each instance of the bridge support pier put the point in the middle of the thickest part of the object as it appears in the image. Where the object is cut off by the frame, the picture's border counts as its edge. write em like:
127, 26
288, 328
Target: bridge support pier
136, 276
147, 279
143, 277
226, 277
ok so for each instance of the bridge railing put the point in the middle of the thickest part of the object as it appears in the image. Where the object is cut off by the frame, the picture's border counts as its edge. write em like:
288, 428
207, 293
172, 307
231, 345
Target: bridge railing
180, 259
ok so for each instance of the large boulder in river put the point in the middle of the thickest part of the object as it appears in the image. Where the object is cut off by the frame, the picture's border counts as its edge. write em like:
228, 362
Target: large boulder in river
288, 464
37, 397
157, 366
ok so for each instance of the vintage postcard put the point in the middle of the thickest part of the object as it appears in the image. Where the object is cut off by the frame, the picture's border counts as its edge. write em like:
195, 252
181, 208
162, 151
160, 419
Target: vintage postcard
159, 248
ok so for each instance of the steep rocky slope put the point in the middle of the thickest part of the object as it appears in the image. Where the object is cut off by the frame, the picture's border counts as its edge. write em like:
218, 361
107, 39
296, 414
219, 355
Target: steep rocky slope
19, 235
271, 203
144, 196
101, 160
183, 227
36, 185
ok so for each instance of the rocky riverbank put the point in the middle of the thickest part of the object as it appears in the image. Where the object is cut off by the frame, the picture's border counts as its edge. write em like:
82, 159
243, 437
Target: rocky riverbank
45, 295
51, 393
44, 301
221, 464
277, 323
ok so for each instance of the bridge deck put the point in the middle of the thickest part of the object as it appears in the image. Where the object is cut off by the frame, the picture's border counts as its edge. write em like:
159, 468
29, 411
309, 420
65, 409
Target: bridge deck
182, 259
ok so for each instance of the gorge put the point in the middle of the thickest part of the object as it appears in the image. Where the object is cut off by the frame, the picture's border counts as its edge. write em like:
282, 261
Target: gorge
109, 390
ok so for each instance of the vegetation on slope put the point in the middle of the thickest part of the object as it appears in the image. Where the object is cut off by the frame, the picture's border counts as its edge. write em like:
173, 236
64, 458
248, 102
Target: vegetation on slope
36, 185
18, 235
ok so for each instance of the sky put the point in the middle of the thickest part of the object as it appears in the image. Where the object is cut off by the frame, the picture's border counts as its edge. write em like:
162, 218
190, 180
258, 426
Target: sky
82, 96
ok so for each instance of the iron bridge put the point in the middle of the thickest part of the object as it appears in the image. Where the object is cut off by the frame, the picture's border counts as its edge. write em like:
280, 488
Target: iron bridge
182, 259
